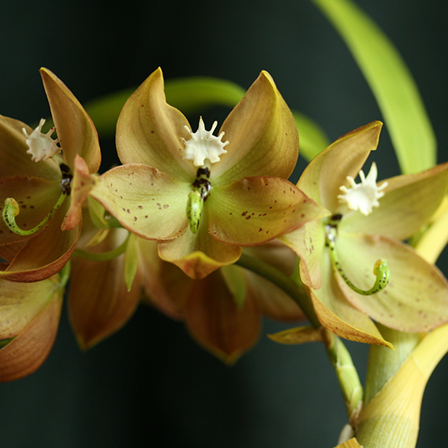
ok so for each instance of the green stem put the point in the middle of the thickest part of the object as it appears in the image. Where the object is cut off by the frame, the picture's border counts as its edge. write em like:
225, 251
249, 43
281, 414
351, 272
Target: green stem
337, 352
102, 256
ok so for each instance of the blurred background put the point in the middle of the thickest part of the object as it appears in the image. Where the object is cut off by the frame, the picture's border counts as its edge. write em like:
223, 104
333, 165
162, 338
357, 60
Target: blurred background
150, 384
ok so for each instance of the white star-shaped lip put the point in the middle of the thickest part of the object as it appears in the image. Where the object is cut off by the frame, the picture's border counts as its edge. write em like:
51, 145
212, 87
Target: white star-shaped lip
204, 145
41, 146
364, 196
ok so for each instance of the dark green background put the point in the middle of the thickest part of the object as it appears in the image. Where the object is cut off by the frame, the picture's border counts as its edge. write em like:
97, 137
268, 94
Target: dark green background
151, 385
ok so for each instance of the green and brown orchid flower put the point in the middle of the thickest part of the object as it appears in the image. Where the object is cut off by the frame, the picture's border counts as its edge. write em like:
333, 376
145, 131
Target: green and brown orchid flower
200, 196
41, 191
367, 223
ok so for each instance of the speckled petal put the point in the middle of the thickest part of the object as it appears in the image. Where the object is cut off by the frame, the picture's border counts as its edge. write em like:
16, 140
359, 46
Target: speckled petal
14, 161
99, 302
257, 209
308, 242
36, 198
75, 129
262, 136
146, 201
338, 315
26, 353
217, 323
416, 298
149, 131
345, 157
198, 254
408, 203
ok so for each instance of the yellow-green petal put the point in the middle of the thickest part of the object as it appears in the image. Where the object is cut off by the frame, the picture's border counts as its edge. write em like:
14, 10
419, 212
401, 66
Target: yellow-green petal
146, 201
408, 203
345, 157
149, 131
26, 353
257, 209
416, 298
262, 136
75, 129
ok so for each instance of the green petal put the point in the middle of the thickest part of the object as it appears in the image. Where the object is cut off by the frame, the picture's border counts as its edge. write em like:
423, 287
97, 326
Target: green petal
262, 136
392, 84
45, 254
198, 254
308, 242
74, 127
36, 198
146, 201
26, 353
217, 322
338, 315
149, 131
409, 201
256, 209
345, 157
14, 161
99, 300
416, 298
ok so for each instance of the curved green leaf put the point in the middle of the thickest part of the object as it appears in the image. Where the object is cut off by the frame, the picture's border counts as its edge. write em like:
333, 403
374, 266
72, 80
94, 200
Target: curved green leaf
391, 82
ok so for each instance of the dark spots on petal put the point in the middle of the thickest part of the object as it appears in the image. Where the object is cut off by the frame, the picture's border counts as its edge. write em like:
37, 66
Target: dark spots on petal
248, 217
165, 205
23, 206
230, 213
135, 218
140, 207
244, 213
302, 215
146, 216
260, 229
128, 211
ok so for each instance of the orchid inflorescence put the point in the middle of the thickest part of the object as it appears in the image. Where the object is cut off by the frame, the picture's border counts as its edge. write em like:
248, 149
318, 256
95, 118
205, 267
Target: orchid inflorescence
205, 228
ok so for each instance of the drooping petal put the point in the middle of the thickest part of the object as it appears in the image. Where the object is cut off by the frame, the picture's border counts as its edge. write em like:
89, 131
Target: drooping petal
26, 353
45, 254
165, 285
149, 131
36, 197
217, 322
308, 242
198, 254
14, 160
99, 302
146, 201
416, 298
337, 314
345, 157
82, 183
75, 129
257, 209
262, 136
408, 203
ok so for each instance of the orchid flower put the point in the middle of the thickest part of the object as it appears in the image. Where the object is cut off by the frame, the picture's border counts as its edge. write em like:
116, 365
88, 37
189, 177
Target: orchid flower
203, 196
367, 223
41, 191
